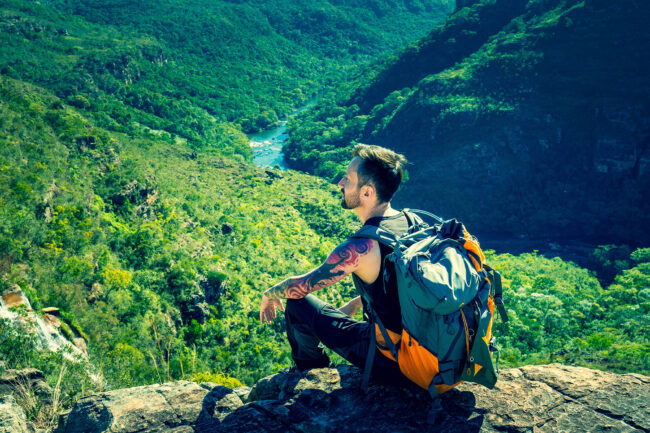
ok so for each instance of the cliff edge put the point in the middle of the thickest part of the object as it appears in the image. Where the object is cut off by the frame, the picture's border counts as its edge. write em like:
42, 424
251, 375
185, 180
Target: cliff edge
527, 399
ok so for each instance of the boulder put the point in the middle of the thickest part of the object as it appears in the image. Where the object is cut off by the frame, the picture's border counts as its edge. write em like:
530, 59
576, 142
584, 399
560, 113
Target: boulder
14, 297
546, 398
153, 408
45, 329
24, 382
51, 310
52, 320
12, 417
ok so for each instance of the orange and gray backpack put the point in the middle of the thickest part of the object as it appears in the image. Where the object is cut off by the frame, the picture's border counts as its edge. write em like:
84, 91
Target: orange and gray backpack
447, 295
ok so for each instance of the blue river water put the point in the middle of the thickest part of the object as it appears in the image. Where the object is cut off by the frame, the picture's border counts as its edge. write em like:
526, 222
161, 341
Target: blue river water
267, 145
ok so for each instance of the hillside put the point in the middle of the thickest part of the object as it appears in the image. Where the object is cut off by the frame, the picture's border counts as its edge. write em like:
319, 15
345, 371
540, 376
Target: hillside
181, 68
522, 118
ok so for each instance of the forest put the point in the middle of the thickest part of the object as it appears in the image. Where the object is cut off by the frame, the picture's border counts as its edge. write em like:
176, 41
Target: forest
129, 200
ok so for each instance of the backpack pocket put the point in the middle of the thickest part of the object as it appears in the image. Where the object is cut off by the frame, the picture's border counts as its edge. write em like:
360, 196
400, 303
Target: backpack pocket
443, 280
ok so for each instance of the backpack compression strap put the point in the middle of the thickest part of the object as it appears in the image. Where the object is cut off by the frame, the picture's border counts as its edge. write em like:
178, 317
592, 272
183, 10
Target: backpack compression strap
495, 279
370, 357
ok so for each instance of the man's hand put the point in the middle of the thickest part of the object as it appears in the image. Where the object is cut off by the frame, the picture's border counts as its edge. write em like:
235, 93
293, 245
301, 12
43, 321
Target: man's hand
352, 306
267, 309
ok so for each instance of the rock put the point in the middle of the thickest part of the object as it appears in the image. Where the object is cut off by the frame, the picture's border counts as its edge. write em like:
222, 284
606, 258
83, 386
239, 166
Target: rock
243, 392
46, 330
14, 297
273, 174
51, 310
12, 417
533, 398
22, 382
155, 408
81, 344
52, 320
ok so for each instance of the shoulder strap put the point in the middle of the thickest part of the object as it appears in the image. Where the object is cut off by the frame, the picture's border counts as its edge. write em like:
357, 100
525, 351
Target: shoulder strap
380, 235
387, 238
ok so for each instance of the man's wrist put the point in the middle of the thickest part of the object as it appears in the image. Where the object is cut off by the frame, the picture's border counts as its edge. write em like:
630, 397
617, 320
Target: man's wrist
272, 293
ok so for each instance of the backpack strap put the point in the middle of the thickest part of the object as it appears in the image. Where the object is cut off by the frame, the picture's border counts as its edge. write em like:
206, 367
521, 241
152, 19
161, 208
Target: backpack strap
386, 238
436, 218
370, 357
378, 234
495, 280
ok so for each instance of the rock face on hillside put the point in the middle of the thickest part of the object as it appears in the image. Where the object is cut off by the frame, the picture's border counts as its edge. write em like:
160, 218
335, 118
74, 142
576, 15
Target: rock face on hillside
12, 417
17, 310
527, 118
534, 398
544, 130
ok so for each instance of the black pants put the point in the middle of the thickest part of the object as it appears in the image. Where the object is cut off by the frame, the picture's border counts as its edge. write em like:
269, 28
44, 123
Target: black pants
312, 323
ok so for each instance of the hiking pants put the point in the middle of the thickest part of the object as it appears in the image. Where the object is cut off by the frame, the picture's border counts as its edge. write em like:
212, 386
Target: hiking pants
312, 323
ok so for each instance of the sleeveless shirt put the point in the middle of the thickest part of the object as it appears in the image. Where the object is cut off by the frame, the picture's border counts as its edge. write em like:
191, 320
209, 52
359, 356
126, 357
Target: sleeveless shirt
385, 299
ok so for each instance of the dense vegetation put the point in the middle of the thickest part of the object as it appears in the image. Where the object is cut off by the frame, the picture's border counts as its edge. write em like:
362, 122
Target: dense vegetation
517, 103
185, 70
159, 253
128, 201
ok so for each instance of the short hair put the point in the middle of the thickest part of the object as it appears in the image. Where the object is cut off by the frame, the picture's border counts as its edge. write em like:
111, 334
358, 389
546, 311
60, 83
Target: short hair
380, 166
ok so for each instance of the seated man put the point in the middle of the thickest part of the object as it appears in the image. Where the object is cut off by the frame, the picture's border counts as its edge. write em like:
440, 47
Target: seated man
371, 179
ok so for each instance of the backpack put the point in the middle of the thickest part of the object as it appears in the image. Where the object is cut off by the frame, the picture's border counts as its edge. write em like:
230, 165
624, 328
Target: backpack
447, 295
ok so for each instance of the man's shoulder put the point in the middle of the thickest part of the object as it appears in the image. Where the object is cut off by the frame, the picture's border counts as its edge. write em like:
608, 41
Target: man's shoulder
358, 245
396, 224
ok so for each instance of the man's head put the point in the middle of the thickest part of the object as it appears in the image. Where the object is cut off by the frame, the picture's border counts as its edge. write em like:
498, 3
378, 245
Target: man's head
372, 177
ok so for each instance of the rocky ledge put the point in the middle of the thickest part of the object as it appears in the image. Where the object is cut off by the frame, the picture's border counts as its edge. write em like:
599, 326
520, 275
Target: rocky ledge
549, 398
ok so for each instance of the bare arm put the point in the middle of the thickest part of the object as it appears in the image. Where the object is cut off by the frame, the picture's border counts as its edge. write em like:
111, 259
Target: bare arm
344, 259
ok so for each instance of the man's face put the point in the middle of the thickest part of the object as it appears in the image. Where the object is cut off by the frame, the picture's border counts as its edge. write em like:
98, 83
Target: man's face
351, 198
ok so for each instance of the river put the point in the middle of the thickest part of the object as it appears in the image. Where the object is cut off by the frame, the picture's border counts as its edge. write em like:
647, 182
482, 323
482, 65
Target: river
267, 145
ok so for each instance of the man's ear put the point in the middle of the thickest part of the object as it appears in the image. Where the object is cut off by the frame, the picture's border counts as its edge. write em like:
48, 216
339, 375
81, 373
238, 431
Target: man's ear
368, 191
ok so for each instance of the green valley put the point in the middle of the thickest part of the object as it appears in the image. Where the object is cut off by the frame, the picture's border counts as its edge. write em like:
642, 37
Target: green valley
129, 200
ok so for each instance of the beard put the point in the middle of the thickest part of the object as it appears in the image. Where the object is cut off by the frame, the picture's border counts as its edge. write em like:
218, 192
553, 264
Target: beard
352, 203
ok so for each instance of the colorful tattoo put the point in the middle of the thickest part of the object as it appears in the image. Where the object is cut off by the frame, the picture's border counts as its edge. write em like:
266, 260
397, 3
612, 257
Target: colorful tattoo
343, 260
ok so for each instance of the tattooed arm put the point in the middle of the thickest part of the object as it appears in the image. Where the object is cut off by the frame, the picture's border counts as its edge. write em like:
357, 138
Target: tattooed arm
345, 259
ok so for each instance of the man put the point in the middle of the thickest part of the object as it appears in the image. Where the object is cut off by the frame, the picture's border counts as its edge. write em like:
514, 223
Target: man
371, 179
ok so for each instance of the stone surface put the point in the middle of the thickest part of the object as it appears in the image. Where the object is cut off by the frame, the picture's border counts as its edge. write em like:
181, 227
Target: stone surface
45, 329
550, 398
14, 297
52, 320
20, 382
243, 392
12, 417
